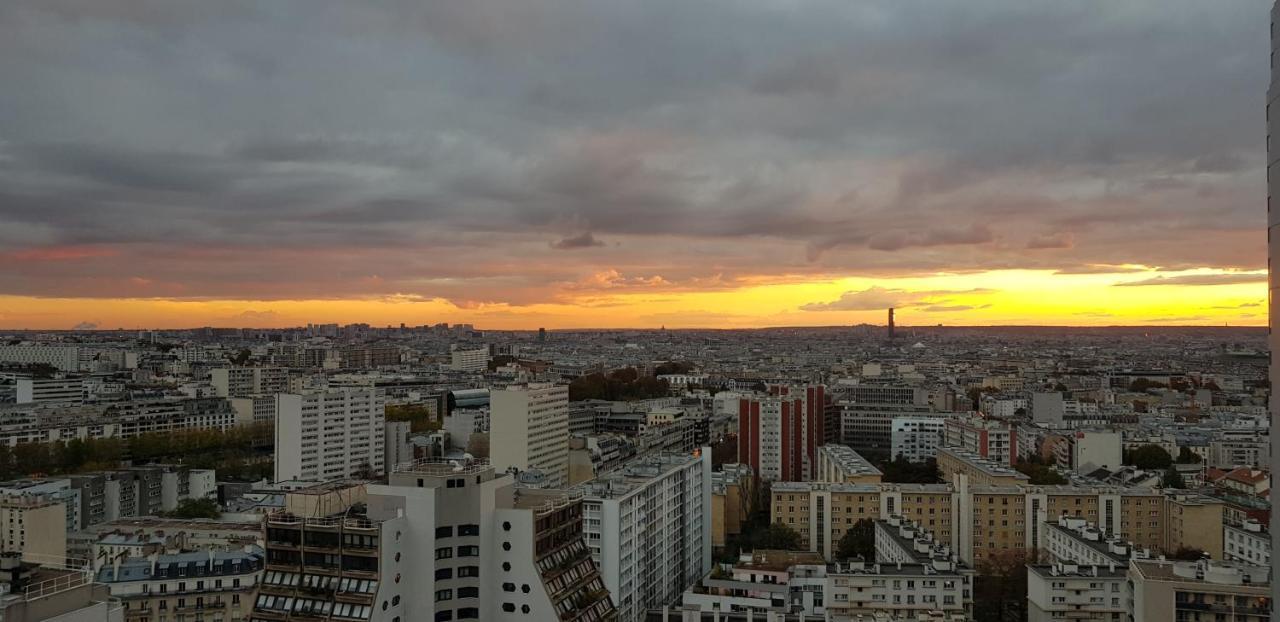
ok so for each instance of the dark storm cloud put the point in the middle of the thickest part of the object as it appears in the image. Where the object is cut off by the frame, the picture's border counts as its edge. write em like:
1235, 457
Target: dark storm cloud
830, 137
585, 240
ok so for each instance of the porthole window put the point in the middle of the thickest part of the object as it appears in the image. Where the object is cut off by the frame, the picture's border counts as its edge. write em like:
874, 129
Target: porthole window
506, 566
524, 609
506, 525
506, 546
525, 588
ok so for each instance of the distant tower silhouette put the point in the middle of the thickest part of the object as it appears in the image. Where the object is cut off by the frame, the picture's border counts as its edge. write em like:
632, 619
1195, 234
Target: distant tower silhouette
890, 323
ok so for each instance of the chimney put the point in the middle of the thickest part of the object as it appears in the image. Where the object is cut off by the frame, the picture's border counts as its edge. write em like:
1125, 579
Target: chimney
890, 323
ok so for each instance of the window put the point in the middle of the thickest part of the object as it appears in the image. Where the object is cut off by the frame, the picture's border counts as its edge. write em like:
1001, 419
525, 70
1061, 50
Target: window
444, 532
444, 574
443, 616
469, 571
468, 592
468, 551
508, 607
469, 530
444, 553
444, 595
469, 613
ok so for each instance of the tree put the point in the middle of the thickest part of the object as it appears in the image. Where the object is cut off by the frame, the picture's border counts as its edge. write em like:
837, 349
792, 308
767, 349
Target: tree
1041, 474
1187, 554
777, 537
903, 471
1150, 457
419, 417
858, 541
1173, 479
195, 508
1000, 589
673, 367
1141, 385
1186, 456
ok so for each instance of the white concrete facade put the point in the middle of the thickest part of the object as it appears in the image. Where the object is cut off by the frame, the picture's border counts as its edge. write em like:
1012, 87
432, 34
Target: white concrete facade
330, 435
529, 428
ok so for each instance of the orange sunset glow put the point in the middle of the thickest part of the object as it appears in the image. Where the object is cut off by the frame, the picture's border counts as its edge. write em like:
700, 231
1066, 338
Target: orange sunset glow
551, 165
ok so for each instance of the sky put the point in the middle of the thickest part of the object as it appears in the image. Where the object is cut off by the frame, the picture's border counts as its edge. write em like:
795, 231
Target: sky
635, 163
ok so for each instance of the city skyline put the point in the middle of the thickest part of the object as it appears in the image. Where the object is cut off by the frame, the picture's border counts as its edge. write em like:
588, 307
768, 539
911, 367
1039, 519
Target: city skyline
554, 164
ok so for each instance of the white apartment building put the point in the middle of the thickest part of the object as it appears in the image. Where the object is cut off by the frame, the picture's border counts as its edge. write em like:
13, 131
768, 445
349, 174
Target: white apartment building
461, 424
473, 361
1249, 543
65, 358
648, 526
330, 435
441, 541
249, 381
529, 428
933, 591
50, 390
917, 438
1077, 592
1073, 540
396, 444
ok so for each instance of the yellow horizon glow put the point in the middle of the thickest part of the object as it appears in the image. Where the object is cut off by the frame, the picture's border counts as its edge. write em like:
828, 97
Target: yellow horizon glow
1005, 297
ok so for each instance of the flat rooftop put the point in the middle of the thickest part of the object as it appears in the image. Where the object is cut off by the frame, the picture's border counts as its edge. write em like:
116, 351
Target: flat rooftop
849, 461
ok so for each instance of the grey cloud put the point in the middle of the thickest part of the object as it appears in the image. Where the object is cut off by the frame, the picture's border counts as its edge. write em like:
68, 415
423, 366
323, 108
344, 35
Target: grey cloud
897, 240
1052, 240
1198, 279
841, 138
585, 240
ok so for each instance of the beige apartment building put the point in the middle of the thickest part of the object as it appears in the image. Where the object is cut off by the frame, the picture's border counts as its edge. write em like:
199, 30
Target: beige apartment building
35, 526
979, 521
1165, 591
954, 461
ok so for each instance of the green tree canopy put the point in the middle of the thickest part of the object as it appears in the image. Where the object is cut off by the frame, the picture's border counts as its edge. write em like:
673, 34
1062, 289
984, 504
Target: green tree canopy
1173, 479
1150, 457
858, 541
1186, 456
1040, 474
777, 537
195, 508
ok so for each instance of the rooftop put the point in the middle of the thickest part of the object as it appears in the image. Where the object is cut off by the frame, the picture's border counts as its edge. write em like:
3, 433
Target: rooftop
848, 461
191, 564
988, 467
444, 467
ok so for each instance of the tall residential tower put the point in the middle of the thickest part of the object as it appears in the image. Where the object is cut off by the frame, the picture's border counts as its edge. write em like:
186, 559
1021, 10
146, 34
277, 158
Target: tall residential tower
1273, 245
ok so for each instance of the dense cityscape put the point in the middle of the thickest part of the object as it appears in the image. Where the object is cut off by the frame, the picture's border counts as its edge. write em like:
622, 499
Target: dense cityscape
847, 473
655, 311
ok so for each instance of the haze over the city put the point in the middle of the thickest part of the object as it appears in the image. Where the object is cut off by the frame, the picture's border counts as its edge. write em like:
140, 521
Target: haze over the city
594, 164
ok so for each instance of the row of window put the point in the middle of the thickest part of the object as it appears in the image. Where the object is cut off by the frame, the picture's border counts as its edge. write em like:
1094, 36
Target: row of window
307, 606
446, 552
462, 592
